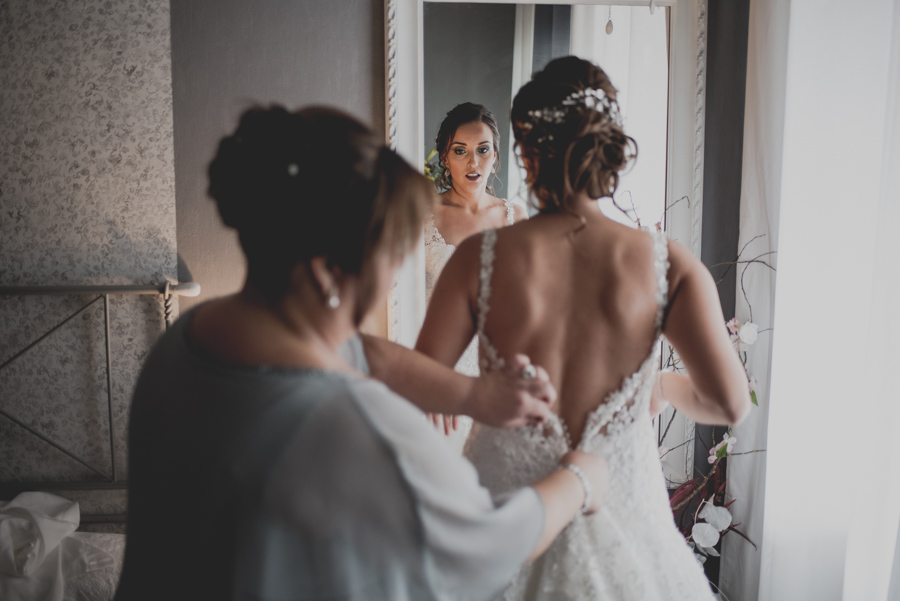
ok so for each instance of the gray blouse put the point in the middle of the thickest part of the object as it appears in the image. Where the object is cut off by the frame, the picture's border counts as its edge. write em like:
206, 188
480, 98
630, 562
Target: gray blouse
275, 483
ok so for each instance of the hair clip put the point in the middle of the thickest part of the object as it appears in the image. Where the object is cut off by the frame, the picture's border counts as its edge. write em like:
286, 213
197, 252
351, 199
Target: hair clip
577, 102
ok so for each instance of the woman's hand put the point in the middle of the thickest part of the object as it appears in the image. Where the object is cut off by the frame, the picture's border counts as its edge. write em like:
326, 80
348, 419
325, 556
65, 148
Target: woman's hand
563, 494
509, 398
447, 423
658, 402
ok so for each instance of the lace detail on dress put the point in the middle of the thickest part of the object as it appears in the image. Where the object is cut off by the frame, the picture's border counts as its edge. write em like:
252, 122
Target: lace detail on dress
491, 359
510, 212
661, 268
628, 551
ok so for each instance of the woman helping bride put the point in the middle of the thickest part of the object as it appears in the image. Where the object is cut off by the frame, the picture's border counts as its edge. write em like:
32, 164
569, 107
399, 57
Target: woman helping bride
588, 299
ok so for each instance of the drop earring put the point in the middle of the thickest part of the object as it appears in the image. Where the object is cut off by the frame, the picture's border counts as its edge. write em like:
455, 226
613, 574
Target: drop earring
334, 300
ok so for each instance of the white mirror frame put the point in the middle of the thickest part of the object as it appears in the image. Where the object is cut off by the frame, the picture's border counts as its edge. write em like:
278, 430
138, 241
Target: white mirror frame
404, 108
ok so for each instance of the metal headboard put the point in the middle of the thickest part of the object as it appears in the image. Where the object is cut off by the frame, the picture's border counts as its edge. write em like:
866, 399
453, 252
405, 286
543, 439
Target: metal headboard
111, 480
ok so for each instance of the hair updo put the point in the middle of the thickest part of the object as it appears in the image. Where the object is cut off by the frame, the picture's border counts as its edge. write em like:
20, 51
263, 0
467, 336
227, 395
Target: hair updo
584, 148
314, 183
461, 114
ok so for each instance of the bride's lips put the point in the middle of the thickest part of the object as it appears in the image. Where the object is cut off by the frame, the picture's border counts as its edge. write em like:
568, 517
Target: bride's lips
473, 177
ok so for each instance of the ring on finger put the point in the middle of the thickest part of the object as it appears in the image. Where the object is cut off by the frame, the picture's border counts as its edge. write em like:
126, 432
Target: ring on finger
529, 372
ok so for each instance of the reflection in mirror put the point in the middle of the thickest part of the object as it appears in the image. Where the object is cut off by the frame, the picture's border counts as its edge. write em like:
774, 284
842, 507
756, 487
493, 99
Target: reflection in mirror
484, 52
477, 52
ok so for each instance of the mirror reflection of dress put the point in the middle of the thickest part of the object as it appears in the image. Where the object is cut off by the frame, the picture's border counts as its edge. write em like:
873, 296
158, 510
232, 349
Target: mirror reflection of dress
437, 253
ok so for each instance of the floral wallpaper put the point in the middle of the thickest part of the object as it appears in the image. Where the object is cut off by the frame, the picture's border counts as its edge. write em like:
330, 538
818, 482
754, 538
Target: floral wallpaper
86, 198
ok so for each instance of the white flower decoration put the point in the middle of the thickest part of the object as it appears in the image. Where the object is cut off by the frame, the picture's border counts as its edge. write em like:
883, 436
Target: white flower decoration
733, 325
717, 517
723, 448
748, 334
729, 441
705, 535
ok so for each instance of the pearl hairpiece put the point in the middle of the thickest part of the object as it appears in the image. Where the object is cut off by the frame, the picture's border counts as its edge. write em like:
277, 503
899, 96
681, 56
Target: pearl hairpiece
588, 99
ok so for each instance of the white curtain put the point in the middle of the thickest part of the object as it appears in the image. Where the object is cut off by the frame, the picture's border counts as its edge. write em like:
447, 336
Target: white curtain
821, 169
872, 566
635, 56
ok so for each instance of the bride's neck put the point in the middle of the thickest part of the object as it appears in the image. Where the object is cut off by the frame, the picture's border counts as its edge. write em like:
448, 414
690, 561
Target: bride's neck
468, 201
584, 204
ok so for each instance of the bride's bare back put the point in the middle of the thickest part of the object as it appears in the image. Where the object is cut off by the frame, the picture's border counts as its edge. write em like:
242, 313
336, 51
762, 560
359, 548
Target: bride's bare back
580, 300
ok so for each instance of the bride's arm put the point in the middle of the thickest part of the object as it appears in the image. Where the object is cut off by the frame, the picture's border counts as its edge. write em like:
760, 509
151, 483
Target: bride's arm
714, 391
449, 321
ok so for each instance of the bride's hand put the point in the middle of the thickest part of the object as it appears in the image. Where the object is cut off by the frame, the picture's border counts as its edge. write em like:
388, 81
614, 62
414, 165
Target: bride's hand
446, 422
596, 471
512, 397
658, 402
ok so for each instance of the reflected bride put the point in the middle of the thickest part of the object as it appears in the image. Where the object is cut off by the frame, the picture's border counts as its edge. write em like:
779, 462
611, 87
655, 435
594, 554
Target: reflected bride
468, 144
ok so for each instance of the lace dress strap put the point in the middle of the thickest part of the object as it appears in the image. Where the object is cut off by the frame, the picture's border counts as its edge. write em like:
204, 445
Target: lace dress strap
510, 212
432, 234
491, 360
661, 268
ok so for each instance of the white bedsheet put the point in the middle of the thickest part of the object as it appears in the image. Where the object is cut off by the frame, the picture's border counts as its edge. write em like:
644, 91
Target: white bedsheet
39, 550
99, 584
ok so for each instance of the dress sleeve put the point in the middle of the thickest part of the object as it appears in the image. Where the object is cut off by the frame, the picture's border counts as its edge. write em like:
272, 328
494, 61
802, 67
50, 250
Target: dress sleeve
474, 544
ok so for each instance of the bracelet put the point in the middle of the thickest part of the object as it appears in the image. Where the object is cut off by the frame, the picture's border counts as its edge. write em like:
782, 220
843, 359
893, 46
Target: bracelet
584, 483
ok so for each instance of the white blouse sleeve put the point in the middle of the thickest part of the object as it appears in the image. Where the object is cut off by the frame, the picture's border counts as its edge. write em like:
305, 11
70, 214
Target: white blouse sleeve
474, 544
354, 354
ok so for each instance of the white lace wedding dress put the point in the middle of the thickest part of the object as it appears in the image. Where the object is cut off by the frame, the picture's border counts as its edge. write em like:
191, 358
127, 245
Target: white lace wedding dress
437, 253
630, 550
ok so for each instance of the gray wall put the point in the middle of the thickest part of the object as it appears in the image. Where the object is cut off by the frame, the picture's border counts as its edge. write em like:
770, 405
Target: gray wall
86, 198
229, 54
469, 58
93, 173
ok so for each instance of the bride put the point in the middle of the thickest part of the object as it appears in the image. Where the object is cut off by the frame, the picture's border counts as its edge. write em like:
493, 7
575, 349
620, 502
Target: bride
589, 299
468, 144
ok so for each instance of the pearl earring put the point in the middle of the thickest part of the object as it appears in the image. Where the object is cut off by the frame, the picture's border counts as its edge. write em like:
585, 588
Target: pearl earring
334, 300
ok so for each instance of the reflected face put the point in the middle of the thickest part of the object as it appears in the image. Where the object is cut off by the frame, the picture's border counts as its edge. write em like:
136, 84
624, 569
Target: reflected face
471, 157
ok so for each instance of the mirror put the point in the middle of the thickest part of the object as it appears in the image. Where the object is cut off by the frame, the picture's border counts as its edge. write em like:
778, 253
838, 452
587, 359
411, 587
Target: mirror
406, 117
484, 53
656, 60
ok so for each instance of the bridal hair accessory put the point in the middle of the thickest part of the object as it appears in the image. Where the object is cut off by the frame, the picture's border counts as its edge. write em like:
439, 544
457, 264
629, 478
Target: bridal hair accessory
529, 372
584, 483
293, 169
334, 300
578, 102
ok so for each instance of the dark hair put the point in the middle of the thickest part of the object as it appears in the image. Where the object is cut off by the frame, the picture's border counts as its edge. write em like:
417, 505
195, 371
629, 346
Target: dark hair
461, 114
314, 183
584, 151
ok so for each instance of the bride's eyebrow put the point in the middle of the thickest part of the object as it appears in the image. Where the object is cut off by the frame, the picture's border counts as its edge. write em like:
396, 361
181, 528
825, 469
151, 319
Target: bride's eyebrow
463, 143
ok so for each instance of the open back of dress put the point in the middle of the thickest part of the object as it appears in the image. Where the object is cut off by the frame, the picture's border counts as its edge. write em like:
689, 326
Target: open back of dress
630, 549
